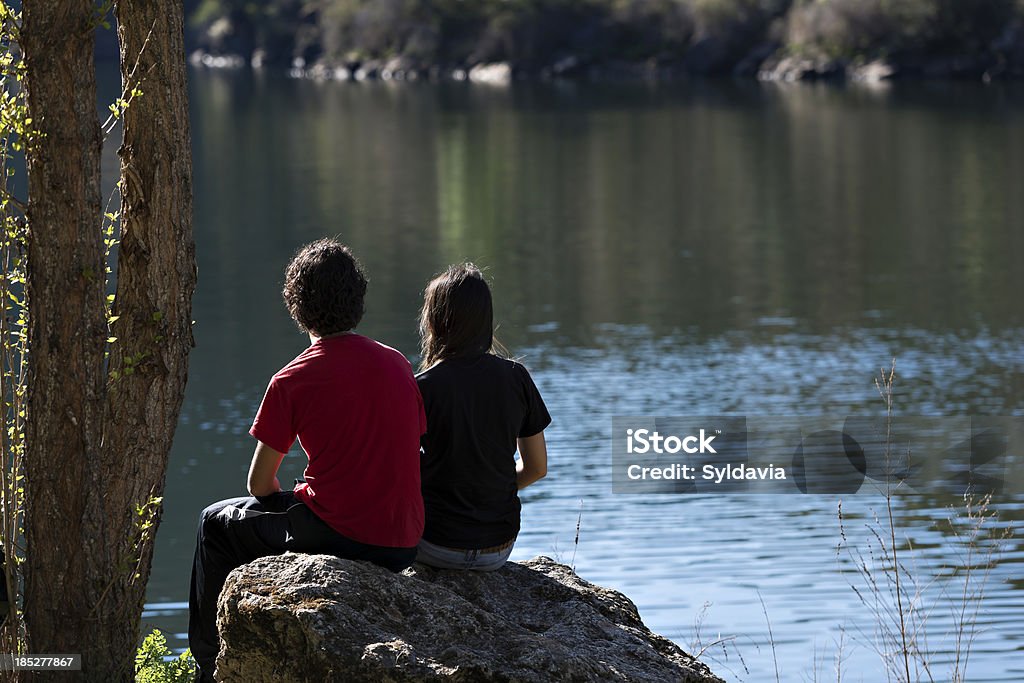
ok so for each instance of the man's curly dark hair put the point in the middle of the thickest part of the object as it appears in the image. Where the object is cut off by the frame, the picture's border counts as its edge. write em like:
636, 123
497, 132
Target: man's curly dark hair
324, 286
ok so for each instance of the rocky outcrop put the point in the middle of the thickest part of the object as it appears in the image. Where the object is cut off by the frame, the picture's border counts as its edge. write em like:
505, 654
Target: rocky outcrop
787, 67
318, 618
499, 73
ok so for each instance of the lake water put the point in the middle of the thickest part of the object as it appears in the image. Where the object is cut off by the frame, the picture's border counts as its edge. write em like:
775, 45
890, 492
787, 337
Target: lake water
681, 249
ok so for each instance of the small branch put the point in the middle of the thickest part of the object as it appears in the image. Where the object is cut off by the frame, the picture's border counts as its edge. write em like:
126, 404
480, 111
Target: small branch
771, 638
131, 83
576, 542
717, 641
20, 205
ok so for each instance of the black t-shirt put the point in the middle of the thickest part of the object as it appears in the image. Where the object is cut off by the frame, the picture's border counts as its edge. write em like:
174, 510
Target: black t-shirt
476, 409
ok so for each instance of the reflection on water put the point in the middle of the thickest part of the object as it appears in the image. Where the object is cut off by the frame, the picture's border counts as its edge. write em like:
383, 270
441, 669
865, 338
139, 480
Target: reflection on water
693, 249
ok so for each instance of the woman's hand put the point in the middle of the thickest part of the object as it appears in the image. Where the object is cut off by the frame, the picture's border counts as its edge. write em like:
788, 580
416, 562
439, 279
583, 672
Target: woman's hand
533, 460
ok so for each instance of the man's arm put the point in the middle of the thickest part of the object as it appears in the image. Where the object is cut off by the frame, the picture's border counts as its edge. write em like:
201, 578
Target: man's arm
263, 470
533, 460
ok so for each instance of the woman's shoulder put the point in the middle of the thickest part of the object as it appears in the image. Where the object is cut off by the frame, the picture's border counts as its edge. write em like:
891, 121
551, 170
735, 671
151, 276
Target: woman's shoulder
482, 366
508, 371
514, 365
496, 363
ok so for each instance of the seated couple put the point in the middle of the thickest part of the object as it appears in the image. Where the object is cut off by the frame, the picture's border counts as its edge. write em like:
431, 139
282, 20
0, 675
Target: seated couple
361, 417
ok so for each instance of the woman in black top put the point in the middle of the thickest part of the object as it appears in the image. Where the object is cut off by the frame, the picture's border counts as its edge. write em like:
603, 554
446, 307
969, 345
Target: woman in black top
481, 408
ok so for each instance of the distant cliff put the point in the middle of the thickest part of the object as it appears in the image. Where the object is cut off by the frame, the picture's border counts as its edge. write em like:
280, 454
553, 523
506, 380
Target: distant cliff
318, 618
785, 39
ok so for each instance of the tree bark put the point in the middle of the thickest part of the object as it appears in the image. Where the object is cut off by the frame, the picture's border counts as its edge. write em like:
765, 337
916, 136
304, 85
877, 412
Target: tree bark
67, 325
100, 432
156, 276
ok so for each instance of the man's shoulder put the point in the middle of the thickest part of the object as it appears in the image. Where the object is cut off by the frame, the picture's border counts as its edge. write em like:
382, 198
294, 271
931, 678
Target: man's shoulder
383, 351
380, 347
349, 345
319, 361
292, 367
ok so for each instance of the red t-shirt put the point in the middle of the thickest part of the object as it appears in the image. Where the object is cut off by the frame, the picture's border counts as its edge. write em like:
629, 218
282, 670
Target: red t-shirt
355, 408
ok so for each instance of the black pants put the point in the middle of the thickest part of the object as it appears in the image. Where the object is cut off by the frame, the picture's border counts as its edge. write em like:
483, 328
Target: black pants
238, 530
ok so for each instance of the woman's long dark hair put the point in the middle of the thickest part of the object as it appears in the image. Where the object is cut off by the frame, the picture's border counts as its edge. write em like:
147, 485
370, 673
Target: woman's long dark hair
457, 317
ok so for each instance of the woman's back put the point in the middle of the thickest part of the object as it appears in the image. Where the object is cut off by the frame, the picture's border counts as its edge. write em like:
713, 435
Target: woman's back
476, 407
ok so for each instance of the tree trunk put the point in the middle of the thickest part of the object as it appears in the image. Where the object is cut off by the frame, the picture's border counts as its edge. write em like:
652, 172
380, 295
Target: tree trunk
67, 324
156, 276
99, 434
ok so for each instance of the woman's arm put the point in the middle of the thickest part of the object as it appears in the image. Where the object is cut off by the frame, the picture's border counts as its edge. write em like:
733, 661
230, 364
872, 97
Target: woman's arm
533, 460
263, 470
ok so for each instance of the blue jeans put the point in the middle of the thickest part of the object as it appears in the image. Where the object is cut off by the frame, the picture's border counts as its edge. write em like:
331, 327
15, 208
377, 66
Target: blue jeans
446, 558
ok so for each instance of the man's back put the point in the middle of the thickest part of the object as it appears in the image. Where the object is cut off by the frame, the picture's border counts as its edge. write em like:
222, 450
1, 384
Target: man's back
355, 408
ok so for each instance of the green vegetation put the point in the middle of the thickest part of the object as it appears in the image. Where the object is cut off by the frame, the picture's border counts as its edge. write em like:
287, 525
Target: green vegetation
879, 28
15, 131
155, 663
896, 585
705, 36
530, 33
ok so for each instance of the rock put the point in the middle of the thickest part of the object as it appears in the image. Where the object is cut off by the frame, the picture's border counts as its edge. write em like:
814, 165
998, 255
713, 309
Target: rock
788, 68
227, 61
791, 68
872, 72
298, 617
399, 69
368, 70
567, 67
750, 65
497, 73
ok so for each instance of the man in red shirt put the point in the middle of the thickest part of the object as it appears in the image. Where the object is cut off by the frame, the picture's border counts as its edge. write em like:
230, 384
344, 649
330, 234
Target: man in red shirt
354, 407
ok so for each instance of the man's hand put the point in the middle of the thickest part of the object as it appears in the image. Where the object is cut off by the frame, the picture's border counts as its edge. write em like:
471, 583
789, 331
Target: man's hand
263, 470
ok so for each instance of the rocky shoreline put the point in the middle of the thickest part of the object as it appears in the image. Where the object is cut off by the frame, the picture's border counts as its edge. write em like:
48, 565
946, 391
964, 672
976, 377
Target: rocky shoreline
766, 63
299, 617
